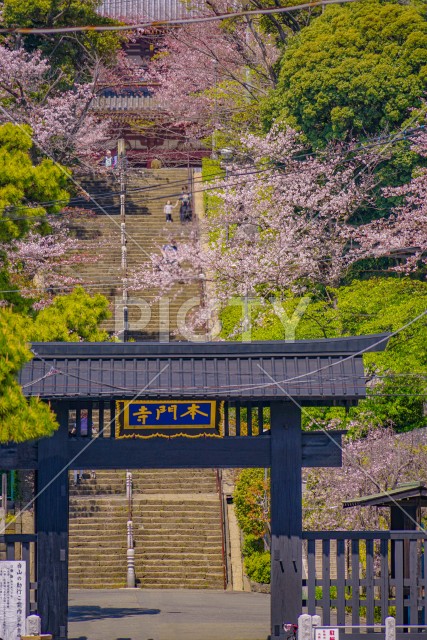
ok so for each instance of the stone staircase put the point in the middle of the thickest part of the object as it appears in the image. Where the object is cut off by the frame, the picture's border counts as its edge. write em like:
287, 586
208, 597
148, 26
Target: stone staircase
176, 514
177, 530
146, 230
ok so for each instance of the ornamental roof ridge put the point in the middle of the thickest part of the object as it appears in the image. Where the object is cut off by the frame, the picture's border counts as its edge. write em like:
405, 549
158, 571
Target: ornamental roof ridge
346, 345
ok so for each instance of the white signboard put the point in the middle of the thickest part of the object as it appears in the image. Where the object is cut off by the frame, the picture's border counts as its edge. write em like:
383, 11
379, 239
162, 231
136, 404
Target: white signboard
12, 599
326, 634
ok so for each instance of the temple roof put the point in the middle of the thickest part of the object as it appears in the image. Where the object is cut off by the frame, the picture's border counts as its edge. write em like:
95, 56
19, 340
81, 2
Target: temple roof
317, 372
404, 493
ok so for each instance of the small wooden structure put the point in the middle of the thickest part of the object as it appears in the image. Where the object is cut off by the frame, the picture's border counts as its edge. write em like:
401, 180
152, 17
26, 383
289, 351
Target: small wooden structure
405, 503
259, 389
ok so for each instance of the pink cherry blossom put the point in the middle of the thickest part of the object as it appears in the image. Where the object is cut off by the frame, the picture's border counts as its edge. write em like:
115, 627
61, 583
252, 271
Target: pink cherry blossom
373, 464
204, 70
62, 122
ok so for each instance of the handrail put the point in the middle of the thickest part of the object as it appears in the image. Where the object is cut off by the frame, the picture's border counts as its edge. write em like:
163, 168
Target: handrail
225, 567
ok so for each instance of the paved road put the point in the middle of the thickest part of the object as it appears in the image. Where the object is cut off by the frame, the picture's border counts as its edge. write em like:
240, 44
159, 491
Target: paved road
167, 614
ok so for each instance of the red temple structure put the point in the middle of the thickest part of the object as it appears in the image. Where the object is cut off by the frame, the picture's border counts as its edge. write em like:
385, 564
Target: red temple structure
133, 109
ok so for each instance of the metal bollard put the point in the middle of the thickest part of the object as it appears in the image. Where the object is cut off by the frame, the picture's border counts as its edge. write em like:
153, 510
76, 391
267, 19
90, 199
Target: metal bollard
390, 628
304, 627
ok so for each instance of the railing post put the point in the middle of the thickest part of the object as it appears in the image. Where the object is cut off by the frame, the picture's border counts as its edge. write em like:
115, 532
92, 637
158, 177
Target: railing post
130, 557
129, 487
130, 534
304, 627
390, 628
130, 554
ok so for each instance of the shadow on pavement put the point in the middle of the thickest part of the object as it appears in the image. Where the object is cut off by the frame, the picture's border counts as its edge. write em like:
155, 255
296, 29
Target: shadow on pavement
86, 613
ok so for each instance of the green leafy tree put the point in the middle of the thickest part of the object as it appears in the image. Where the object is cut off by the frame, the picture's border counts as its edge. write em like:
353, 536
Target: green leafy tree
72, 54
71, 318
24, 184
355, 70
20, 419
398, 384
252, 509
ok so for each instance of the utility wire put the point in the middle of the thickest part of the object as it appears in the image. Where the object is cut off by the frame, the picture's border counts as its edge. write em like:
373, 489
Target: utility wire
169, 23
139, 191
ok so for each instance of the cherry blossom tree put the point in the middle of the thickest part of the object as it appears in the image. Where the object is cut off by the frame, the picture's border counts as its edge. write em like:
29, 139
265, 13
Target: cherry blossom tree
404, 232
282, 222
62, 122
42, 265
210, 72
376, 463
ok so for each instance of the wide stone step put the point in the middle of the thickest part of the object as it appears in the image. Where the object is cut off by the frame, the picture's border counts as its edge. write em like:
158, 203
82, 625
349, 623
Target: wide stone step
204, 539
188, 583
142, 485
165, 565
99, 545
103, 584
106, 563
94, 503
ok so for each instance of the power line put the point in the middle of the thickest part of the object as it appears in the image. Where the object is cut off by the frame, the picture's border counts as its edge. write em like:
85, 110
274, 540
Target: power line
271, 166
169, 23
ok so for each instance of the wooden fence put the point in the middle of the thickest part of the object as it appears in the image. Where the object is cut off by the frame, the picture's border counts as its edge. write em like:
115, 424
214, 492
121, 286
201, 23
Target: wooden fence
361, 577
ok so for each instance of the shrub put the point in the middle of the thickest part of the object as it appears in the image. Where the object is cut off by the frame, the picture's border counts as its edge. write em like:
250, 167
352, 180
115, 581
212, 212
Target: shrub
257, 567
252, 544
249, 502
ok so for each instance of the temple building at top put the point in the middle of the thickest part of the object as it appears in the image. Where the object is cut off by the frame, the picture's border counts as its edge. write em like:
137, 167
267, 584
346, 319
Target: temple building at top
133, 109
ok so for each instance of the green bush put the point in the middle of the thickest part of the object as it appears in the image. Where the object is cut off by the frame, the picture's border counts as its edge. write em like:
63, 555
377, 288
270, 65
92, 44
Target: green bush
248, 499
356, 69
257, 567
252, 544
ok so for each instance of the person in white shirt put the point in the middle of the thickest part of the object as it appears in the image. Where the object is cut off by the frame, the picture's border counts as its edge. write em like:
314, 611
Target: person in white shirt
168, 210
110, 161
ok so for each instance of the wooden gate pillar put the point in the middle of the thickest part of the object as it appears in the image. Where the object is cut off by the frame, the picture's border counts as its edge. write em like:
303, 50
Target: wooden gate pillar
52, 529
286, 516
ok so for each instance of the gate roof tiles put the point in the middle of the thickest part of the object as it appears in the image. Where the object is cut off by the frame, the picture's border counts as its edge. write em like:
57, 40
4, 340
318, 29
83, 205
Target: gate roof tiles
314, 371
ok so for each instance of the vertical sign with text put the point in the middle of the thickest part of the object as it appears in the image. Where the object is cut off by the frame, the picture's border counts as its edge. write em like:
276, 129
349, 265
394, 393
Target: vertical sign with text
12, 599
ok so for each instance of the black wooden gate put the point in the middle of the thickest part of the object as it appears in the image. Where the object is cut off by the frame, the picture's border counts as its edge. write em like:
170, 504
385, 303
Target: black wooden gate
260, 389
